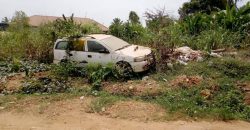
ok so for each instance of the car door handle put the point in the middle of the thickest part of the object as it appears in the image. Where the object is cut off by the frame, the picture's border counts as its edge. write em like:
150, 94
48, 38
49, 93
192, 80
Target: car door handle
89, 56
83, 62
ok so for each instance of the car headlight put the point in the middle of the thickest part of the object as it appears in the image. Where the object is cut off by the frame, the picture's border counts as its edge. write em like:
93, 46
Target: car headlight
140, 59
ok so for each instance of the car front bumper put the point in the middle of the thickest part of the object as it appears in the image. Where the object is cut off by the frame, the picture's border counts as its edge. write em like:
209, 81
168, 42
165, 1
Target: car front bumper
144, 65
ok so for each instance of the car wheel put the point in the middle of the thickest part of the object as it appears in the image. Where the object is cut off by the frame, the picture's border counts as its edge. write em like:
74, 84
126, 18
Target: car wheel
64, 61
124, 69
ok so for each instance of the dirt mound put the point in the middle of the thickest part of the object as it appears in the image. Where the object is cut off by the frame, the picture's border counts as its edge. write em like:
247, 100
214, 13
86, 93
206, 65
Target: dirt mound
186, 81
14, 83
135, 110
134, 88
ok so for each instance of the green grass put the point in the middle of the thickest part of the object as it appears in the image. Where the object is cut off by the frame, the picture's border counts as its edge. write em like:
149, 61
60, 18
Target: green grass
104, 100
225, 103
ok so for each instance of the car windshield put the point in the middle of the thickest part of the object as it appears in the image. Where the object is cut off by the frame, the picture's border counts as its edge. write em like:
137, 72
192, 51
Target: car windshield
115, 43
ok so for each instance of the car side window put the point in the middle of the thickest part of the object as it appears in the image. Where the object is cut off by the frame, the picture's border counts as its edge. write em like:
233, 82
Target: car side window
94, 46
63, 45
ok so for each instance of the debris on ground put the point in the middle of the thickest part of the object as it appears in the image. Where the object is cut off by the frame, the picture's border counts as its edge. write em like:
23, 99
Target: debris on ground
216, 55
186, 54
132, 88
145, 78
82, 97
218, 50
186, 81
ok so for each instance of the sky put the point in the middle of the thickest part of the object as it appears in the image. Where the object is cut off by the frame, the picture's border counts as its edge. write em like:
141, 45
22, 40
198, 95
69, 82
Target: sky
103, 11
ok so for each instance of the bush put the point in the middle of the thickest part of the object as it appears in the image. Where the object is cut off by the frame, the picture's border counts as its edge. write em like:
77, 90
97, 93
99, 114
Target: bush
214, 39
67, 69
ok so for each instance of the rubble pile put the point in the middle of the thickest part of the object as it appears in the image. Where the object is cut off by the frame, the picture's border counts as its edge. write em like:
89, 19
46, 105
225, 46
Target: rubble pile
186, 54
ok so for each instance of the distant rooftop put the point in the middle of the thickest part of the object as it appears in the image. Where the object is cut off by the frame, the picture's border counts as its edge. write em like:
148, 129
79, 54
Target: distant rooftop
37, 20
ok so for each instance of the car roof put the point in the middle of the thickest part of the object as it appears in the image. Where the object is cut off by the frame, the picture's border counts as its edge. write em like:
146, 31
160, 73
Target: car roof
92, 36
99, 36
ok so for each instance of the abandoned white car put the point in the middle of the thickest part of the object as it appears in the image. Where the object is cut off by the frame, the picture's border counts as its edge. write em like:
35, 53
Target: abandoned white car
104, 49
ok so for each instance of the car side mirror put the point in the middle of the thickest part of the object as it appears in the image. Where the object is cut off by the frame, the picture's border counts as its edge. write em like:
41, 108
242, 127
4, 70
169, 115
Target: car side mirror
105, 51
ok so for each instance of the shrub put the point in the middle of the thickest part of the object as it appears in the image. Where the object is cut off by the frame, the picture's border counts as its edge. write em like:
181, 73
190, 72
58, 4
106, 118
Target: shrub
67, 69
214, 39
100, 74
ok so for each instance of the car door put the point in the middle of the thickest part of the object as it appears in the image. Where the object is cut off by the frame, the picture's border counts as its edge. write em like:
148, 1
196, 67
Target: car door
60, 51
97, 53
78, 52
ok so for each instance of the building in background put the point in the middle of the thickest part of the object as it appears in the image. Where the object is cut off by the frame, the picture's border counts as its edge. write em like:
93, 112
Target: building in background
37, 20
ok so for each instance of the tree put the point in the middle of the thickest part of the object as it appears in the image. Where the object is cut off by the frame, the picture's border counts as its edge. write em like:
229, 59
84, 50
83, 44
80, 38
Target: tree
19, 22
67, 27
134, 18
5, 20
202, 6
116, 28
158, 19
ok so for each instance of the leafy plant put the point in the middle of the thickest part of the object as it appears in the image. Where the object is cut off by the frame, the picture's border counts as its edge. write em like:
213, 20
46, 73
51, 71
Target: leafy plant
67, 69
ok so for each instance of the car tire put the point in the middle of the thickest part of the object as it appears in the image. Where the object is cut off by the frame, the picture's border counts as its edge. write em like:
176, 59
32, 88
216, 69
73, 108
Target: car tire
64, 61
124, 69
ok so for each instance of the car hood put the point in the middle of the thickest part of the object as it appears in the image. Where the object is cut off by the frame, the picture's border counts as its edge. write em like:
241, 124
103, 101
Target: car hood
135, 51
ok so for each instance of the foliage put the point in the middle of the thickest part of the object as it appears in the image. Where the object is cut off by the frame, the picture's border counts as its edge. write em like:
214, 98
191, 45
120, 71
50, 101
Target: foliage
94, 72
19, 22
134, 18
116, 28
235, 19
68, 69
158, 19
44, 85
224, 104
22, 41
224, 100
100, 74
201, 6
233, 68
90, 28
196, 23
66, 27
217, 38
16, 66
129, 31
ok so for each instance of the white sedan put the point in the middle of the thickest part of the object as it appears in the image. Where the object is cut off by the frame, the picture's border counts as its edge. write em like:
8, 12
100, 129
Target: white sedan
104, 49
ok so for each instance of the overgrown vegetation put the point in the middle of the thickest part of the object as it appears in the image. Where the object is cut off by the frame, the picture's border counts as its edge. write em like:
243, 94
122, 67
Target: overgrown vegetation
204, 25
217, 96
25, 42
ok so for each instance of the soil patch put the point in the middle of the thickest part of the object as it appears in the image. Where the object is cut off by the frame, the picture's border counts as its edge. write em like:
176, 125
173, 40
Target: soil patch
186, 81
136, 110
134, 88
14, 83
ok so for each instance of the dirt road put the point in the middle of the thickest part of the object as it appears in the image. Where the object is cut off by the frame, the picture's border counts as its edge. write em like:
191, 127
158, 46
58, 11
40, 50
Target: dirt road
73, 114
82, 121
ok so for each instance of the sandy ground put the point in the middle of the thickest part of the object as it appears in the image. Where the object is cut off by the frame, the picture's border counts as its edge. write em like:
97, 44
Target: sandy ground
82, 121
72, 115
